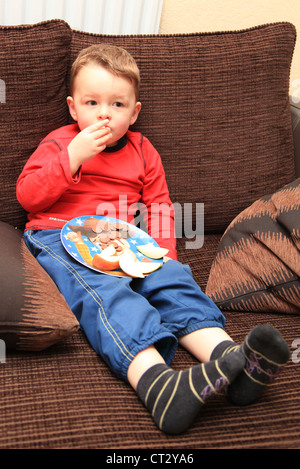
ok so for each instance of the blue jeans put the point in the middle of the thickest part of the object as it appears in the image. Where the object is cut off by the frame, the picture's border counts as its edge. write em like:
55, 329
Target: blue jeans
123, 316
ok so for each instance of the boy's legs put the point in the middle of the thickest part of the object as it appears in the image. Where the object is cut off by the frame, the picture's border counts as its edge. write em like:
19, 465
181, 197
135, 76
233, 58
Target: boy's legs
200, 343
175, 398
264, 348
166, 399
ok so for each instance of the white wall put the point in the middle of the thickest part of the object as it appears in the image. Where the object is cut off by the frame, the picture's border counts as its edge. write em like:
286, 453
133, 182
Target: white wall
188, 16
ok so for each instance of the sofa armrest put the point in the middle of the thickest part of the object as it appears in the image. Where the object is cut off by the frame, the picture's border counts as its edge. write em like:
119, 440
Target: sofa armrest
295, 110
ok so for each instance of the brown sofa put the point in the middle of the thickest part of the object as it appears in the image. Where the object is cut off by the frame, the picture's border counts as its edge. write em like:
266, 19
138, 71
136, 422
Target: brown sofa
217, 108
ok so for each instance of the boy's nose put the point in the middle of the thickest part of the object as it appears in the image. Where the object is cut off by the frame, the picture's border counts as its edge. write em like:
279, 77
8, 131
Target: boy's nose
104, 113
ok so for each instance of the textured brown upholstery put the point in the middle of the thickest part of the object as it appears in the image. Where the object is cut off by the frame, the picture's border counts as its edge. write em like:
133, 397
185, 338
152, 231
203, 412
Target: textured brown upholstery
216, 106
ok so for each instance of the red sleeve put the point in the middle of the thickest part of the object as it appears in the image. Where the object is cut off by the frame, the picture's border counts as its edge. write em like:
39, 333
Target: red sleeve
45, 177
155, 196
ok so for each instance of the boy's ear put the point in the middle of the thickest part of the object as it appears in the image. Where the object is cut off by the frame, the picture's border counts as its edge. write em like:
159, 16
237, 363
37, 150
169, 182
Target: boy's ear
136, 112
72, 111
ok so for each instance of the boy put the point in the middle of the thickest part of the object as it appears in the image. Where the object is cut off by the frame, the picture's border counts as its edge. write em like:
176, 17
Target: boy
134, 324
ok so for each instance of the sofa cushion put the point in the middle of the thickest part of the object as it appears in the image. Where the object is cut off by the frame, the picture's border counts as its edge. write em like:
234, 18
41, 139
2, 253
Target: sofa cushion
257, 266
33, 64
216, 107
33, 314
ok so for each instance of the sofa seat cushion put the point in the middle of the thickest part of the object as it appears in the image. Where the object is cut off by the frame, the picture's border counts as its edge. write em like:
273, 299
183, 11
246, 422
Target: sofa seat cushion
33, 314
33, 67
67, 398
216, 107
257, 266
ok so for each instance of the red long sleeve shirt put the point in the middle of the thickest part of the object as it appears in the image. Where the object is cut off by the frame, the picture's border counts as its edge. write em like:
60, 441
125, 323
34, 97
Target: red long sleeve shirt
120, 180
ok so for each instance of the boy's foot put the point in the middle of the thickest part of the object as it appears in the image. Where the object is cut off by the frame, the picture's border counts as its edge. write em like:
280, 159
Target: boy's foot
175, 398
266, 352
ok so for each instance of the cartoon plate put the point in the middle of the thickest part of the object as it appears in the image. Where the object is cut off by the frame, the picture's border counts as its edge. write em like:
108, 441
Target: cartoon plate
111, 246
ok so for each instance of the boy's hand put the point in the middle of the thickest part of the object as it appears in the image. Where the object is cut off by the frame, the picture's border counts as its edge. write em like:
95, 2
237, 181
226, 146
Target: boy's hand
88, 143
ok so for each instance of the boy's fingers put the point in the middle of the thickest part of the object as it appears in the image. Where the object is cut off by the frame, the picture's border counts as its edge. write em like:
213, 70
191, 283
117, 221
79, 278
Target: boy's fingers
103, 134
99, 126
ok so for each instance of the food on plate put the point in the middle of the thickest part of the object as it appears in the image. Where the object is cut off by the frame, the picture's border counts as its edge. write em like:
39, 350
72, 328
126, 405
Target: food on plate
148, 267
154, 252
107, 260
130, 266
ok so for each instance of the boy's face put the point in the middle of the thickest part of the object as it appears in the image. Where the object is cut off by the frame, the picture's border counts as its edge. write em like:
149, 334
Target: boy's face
99, 95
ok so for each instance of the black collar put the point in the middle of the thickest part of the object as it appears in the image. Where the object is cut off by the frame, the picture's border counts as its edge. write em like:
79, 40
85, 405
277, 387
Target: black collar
121, 144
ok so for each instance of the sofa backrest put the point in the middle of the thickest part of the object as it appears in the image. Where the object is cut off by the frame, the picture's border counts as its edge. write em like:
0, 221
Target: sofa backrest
215, 106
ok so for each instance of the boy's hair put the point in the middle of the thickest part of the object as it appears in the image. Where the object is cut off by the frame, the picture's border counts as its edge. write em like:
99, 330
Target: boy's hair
113, 58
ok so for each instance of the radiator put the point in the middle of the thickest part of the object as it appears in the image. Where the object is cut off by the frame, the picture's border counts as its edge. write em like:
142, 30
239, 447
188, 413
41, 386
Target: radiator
94, 16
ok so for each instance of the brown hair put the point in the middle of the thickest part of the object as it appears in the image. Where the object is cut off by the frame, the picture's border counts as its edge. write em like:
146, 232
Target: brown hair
113, 58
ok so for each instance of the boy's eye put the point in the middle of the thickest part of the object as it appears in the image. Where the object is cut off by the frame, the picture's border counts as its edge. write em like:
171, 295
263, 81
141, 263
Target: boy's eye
92, 103
118, 104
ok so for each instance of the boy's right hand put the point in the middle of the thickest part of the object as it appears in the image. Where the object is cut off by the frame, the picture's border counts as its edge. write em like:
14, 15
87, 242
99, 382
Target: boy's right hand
88, 143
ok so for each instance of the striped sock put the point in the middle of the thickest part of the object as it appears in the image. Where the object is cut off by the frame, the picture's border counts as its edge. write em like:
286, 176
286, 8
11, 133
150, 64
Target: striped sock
266, 352
174, 398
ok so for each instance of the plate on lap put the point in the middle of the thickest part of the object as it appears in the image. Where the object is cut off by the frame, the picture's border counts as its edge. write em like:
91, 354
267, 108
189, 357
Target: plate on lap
111, 246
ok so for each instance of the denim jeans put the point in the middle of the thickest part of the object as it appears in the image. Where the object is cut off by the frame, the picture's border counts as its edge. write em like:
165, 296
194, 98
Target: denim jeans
122, 316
